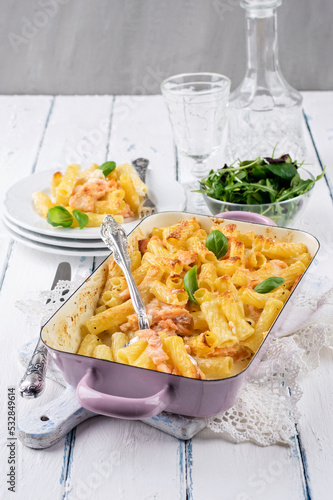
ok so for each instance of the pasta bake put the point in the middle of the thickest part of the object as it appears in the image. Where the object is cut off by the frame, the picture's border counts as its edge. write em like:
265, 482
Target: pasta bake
83, 197
211, 298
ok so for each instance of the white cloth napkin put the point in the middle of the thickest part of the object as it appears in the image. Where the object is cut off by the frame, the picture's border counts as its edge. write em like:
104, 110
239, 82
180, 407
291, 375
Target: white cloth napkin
266, 410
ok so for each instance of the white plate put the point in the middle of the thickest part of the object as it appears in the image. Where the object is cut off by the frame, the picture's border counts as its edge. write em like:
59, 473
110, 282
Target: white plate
166, 193
54, 249
52, 240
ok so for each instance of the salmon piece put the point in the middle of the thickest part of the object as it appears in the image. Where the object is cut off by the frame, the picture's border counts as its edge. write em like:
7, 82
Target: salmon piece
155, 348
253, 312
127, 212
278, 264
169, 317
160, 310
132, 323
236, 352
167, 326
162, 317
85, 195
186, 257
143, 245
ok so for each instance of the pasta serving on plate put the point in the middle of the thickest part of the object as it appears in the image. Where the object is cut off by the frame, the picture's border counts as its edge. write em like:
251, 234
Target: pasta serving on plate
83, 197
211, 297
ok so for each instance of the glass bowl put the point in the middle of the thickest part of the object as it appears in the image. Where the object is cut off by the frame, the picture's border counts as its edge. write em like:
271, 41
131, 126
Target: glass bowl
283, 213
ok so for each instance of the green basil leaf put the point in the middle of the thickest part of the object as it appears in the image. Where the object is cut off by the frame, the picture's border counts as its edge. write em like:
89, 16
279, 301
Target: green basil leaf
107, 167
191, 283
269, 284
217, 243
284, 170
81, 217
59, 216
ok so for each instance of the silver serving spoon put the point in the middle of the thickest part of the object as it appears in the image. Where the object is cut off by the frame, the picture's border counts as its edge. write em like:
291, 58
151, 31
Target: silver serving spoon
115, 238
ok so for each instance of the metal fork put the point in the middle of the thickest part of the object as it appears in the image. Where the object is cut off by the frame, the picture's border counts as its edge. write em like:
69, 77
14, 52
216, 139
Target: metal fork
147, 206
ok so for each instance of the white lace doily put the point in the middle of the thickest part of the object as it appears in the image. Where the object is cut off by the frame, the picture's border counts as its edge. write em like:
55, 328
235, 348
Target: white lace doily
266, 410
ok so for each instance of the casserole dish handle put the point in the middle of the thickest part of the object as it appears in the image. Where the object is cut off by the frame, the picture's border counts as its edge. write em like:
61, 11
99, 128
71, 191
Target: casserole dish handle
247, 217
120, 407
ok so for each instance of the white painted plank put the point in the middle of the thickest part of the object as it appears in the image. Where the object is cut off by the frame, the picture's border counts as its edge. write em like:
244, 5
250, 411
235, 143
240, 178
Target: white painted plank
78, 132
124, 460
220, 469
318, 107
28, 270
315, 426
316, 429
22, 127
141, 129
140, 462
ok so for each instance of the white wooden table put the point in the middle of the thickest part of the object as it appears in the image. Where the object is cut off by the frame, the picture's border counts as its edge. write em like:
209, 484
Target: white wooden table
108, 458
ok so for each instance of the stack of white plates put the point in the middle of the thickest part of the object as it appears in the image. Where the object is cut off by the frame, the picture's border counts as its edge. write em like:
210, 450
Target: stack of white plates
26, 226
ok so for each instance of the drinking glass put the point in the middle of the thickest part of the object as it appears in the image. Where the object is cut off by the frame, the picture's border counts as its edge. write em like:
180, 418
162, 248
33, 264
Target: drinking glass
197, 104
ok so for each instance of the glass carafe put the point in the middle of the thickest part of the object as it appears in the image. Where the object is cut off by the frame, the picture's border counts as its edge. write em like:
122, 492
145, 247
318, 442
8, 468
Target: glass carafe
265, 112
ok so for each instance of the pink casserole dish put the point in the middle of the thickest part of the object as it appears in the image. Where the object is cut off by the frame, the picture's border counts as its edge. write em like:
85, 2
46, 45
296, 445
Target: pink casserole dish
129, 392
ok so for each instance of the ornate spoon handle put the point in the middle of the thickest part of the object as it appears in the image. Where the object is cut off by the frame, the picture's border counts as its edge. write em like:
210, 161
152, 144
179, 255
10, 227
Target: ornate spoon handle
115, 238
32, 383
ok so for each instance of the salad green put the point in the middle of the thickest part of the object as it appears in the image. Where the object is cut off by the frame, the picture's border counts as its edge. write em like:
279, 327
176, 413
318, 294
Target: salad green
259, 181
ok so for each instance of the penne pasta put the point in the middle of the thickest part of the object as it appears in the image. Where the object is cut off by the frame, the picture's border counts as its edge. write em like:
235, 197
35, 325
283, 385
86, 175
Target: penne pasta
207, 276
175, 349
168, 295
268, 315
94, 191
219, 367
214, 315
103, 352
42, 203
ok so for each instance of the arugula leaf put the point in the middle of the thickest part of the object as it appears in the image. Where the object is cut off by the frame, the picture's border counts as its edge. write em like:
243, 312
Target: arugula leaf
269, 284
217, 243
258, 182
284, 170
81, 217
295, 180
191, 283
107, 167
59, 216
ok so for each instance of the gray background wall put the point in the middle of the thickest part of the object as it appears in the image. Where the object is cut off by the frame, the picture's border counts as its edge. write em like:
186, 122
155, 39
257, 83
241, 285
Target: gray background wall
129, 46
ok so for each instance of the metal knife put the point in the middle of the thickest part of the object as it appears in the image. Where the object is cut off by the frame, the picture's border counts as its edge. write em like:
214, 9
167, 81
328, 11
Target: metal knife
33, 382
